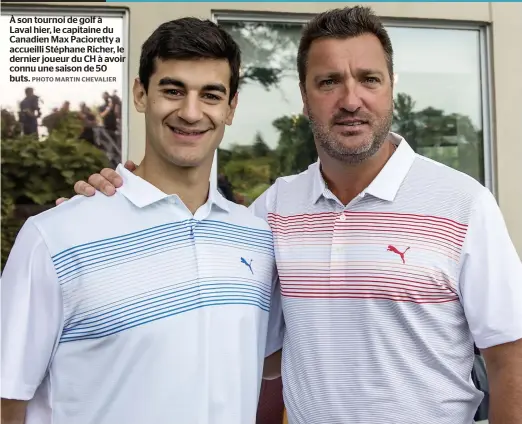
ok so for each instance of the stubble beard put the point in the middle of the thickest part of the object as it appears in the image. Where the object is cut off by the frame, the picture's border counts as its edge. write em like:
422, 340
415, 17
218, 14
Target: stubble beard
334, 147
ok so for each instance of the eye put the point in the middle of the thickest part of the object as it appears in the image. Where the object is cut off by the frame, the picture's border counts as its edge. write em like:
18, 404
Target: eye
372, 80
172, 92
212, 97
327, 82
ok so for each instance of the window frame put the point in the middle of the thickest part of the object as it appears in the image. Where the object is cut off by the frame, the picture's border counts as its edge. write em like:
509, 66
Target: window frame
32, 9
485, 66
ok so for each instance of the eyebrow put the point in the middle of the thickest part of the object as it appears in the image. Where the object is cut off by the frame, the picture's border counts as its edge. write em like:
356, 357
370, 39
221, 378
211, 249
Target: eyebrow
177, 83
359, 72
368, 71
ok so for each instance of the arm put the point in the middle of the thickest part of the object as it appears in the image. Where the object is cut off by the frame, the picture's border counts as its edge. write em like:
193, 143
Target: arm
491, 293
272, 366
13, 411
31, 311
106, 110
504, 367
275, 333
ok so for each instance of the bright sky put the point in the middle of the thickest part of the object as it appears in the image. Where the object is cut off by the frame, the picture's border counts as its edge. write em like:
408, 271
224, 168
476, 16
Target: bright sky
53, 94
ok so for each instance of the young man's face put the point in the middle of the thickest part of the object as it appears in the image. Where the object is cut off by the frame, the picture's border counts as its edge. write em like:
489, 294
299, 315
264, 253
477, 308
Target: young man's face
186, 109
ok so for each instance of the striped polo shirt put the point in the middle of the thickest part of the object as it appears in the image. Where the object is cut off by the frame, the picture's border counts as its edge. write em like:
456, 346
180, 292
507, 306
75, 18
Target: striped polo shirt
129, 309
383, 298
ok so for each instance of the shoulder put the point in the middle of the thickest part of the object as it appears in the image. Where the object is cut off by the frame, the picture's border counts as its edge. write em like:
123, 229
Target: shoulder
449, 181
285, 187
243, 216
80, 219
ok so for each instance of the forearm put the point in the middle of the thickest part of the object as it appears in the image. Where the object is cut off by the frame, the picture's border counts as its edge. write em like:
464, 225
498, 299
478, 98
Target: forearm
272, 367
506, 394
13, 411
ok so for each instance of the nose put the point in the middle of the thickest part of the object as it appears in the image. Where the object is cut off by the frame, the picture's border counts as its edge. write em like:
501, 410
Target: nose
190, 110
350, 98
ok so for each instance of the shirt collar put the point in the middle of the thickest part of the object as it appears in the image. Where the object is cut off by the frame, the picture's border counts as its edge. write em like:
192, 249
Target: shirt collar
386, 184
142, 193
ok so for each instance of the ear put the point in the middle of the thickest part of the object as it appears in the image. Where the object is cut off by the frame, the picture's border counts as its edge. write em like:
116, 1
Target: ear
303, 98
232, 111
140, 96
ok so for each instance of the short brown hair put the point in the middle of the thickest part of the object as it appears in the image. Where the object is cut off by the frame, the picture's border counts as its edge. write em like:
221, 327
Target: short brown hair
343, 23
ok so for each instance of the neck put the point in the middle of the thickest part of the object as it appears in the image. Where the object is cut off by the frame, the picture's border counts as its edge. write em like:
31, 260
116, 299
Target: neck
190, 184
346, 181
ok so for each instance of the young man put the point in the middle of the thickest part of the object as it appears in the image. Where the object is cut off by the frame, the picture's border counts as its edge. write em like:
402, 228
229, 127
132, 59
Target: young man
150, 306
391, 265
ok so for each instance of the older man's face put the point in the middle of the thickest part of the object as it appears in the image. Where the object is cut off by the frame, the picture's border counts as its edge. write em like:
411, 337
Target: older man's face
348, 96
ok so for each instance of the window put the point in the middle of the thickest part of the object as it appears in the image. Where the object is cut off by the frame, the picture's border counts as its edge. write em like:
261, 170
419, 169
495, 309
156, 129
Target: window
438, 102
54, 127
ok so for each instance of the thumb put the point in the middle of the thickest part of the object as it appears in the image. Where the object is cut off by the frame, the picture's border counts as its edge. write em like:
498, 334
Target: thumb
130, 165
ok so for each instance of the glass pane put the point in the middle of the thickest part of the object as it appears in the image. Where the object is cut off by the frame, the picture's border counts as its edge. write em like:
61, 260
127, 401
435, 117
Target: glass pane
437, 104
61, 116
438, 95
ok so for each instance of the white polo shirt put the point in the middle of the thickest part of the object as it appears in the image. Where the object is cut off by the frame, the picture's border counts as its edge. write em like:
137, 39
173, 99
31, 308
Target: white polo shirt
129, 309
383, 298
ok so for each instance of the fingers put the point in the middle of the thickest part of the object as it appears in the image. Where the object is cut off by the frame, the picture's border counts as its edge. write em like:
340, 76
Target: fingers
61, 200
99, 182
130, 165
81, 187
112, 177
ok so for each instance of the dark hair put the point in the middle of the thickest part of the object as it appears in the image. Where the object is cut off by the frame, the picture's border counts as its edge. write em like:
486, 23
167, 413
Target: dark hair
343, 23
190, 38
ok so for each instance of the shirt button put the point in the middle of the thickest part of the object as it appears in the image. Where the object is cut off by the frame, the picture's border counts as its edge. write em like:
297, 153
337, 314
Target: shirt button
342, 217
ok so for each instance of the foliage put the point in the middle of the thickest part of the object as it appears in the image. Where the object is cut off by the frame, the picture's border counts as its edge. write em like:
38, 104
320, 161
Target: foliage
447, 138
296, 148
10, 125
38, 172
268, 51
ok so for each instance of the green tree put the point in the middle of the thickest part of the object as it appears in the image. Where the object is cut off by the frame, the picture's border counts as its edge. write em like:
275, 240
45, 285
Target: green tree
268, 51
260, 148
405, 120
296, 148
10, 125
35, 173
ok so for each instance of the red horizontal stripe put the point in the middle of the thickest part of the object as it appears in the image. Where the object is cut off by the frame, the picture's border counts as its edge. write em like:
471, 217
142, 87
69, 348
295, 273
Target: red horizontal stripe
366, 289
350, 214
370, 296
438, 246
296, 273
335, 222
352, 282
432, 234
389, 293
426, 231
334, 287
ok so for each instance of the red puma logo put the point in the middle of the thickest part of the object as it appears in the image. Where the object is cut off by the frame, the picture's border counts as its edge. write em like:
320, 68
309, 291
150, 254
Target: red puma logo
395, 250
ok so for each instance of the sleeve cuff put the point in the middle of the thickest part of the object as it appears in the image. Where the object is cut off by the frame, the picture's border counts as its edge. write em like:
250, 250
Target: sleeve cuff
16, 391
498, 339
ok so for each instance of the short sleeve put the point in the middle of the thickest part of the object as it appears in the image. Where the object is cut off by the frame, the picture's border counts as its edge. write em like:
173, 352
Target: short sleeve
32, 314
276, 323
259, 206
491, 277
